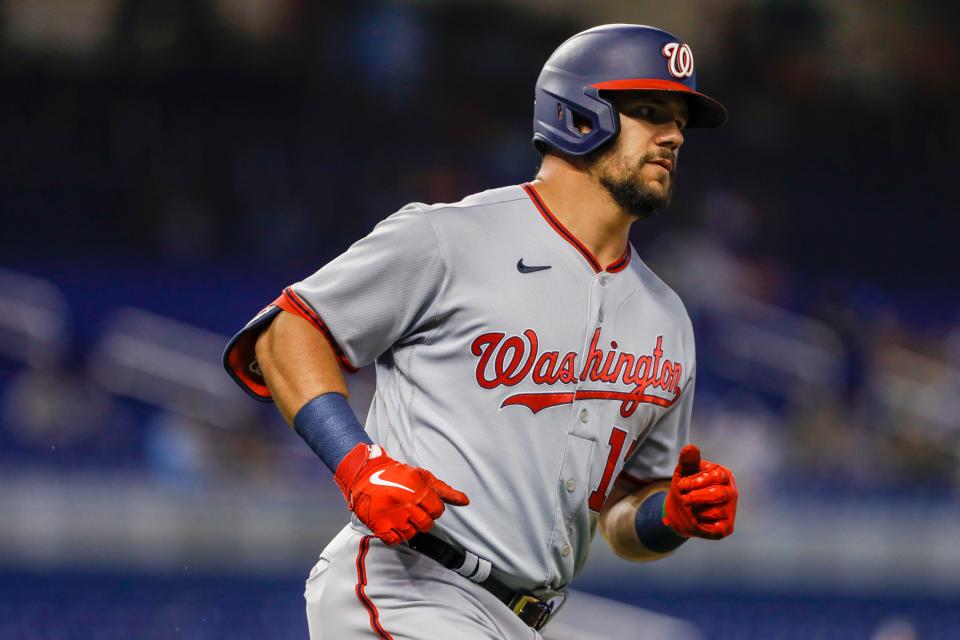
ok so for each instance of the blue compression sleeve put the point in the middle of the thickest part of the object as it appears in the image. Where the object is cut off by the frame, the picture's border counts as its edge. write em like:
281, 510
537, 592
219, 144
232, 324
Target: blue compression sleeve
653, 534
328, 425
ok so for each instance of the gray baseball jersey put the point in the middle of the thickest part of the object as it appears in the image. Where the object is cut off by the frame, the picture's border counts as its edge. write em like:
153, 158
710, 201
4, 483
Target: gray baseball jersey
509, 363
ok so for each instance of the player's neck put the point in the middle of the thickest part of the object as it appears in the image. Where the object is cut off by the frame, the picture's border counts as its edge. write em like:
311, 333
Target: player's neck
585, 208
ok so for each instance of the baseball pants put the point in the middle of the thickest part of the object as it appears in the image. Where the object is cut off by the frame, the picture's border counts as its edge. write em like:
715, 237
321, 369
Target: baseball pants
363, 588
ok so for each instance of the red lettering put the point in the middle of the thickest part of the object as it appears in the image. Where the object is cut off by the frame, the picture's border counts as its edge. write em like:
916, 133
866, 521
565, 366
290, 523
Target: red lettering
624, 364
591, 368
677, 376
657, 352
568, 368
641, 373
599, 495
507, 362
666, 375
606, 374
506, 369
508, 375
546, 371
483, 347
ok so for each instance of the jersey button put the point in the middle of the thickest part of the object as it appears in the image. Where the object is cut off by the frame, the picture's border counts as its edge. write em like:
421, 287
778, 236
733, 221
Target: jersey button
601, 316
584, 416
571, 485
565, 550
603, 281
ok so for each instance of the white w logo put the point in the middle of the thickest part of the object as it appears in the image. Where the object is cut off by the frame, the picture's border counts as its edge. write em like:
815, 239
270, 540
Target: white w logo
681, 59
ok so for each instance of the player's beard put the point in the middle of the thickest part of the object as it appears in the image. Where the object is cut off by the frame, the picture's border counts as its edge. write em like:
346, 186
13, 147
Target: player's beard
627, 186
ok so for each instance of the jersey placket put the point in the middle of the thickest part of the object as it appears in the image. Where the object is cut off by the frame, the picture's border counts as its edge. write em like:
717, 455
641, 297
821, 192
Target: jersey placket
586, 420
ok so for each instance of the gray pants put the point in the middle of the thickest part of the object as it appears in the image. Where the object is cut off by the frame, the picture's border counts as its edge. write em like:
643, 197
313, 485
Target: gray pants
362, 588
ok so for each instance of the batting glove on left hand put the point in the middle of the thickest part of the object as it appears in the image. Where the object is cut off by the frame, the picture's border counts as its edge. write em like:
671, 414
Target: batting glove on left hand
393, 499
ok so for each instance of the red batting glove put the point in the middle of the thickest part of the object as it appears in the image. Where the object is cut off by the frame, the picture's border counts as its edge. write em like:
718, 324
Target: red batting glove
393, 499
702, 501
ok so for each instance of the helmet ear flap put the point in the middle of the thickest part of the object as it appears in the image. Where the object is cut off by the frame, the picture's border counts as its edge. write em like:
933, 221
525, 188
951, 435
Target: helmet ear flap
559, 121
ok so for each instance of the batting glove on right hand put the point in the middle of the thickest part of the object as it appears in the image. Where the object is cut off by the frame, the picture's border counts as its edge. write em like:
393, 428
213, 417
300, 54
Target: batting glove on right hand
393, 499
702, 501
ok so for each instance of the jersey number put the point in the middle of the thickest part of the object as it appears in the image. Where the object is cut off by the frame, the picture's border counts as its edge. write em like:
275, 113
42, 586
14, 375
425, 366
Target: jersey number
599, 495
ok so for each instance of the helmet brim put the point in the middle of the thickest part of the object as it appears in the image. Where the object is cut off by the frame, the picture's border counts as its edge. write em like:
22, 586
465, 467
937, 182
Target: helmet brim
704, 111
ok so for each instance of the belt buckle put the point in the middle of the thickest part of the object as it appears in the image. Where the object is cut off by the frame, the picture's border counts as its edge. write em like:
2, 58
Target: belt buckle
533, 611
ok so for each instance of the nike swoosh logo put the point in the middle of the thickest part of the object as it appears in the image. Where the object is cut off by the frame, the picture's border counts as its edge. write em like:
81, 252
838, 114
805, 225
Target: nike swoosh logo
522, 268
376, 479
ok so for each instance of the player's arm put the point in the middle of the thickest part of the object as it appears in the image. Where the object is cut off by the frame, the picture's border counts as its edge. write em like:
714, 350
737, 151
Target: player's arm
650, 522
618, 521
297, 363
303, 374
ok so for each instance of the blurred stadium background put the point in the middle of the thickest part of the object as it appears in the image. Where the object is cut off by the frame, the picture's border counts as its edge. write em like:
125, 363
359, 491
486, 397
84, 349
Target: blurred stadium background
169, 165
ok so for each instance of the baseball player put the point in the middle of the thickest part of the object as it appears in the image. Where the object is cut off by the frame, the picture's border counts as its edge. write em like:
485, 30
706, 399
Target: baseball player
534, 378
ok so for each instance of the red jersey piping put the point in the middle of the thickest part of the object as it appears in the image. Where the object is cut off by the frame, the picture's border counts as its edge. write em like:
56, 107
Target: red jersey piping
618, 265
289, 301
361, 590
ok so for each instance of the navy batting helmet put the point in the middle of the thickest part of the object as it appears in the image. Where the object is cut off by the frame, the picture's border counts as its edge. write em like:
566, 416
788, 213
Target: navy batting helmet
612, 57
